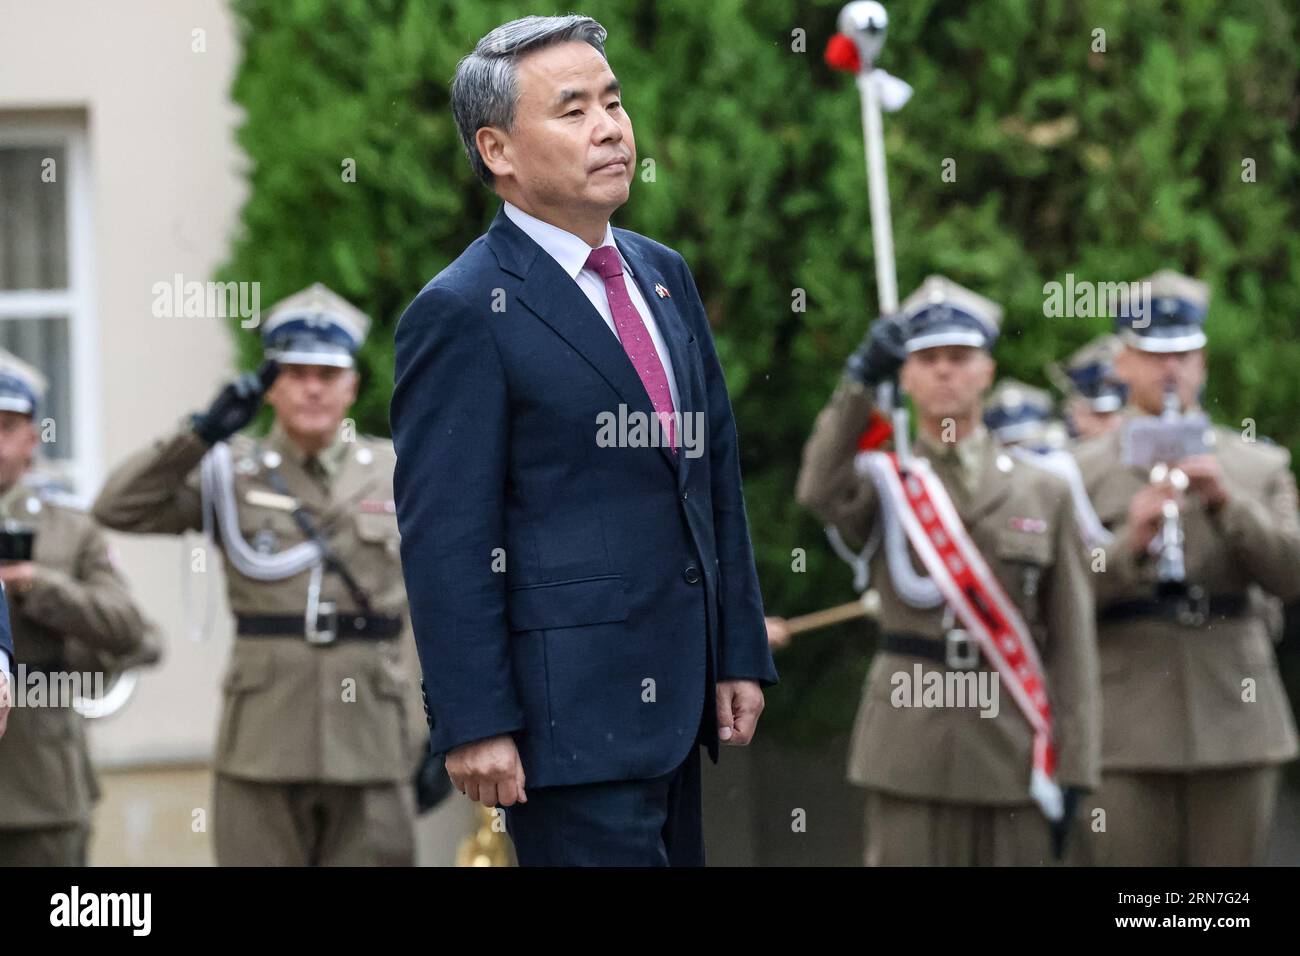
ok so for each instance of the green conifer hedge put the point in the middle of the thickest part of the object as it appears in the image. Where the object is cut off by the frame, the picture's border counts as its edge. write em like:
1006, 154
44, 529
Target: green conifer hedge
1166, 139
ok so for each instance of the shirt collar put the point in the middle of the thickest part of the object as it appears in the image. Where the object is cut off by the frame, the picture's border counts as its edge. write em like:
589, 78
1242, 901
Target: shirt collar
330, 459
568, 250
969, 450
975, 439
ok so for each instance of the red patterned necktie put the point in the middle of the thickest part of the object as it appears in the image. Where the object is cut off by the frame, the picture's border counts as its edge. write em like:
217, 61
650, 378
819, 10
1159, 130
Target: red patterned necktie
635, 337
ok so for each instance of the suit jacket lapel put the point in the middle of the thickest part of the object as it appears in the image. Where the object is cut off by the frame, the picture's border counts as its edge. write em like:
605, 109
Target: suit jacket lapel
550, 294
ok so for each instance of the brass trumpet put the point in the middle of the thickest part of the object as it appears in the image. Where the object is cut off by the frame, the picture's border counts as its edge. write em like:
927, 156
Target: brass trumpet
1171, 568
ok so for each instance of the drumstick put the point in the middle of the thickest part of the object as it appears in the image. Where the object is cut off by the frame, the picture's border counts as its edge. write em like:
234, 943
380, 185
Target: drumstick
867, 606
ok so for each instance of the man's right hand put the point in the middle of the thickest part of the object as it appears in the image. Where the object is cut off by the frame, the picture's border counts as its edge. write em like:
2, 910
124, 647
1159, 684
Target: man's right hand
778, 632
236, 404
488, 771
1145, 514
880, 355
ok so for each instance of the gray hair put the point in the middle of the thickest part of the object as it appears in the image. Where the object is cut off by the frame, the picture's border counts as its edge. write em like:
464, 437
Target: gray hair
485, 89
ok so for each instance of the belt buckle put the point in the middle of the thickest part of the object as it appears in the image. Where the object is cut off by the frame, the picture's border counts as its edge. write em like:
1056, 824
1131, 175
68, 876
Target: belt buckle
960, 653
328, 612
1193, 609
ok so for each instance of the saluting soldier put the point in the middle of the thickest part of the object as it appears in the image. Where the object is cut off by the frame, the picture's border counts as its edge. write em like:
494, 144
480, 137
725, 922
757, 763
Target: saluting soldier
981, 578
321, 724
69, 608
1196, 718
1094, 397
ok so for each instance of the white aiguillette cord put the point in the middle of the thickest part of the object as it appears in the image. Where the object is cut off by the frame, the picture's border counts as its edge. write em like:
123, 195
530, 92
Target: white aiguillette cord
915, 590
216, 482
860, 562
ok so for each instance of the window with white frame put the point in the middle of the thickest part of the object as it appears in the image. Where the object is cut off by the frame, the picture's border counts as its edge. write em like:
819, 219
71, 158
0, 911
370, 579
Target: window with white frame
45, 283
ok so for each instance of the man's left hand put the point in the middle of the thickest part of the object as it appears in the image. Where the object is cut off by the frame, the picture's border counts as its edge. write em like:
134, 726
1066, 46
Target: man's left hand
1205, 478
739, 704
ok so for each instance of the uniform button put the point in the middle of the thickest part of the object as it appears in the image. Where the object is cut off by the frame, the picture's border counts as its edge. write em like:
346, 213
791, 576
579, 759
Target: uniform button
684, 495
691, 574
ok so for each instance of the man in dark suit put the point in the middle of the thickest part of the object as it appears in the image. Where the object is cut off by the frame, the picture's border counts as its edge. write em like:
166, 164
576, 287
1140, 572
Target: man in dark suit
574, 540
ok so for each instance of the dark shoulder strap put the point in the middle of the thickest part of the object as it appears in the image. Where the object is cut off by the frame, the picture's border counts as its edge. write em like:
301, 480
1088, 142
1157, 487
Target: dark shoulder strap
332, 561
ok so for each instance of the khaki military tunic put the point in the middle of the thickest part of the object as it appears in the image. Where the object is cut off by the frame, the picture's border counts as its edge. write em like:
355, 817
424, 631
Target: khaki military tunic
967, 775
1182, 702
76, 615
309, 717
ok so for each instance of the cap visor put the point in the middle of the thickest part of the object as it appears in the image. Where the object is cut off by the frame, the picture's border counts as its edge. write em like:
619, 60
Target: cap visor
1188, 341
16, 403
951, 337
333, 359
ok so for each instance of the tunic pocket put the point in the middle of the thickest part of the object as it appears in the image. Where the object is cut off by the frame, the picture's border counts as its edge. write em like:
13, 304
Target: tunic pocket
391, 687
379, 529
1024, 558
250, 672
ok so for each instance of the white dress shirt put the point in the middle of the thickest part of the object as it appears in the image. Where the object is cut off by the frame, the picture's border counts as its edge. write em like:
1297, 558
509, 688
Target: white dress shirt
571, 253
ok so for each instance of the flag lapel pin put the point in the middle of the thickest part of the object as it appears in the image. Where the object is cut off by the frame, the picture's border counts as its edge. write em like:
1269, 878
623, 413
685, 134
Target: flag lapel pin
661, 291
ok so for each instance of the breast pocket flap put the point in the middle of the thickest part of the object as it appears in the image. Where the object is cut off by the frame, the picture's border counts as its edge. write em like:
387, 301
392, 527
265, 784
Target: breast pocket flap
1024, 546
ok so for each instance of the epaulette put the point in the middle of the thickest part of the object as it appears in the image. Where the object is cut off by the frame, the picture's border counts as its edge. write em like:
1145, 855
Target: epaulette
63, 498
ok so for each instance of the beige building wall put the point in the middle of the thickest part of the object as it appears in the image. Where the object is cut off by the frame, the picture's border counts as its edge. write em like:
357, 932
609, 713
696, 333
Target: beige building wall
164, 186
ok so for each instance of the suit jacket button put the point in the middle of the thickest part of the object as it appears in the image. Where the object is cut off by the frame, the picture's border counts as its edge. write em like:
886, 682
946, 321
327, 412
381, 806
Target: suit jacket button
691, 574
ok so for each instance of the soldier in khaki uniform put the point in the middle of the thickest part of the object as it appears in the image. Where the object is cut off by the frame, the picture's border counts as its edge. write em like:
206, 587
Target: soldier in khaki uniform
1020, 415
1094, 397
322, 727
1196, 718
71, 613
947, 786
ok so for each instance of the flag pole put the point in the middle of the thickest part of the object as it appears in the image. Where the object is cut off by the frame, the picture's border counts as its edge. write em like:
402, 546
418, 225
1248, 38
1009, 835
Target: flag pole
864, 23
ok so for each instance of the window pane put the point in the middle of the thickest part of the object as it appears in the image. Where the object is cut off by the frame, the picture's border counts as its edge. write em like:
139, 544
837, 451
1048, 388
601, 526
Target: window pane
33, 222
43, 343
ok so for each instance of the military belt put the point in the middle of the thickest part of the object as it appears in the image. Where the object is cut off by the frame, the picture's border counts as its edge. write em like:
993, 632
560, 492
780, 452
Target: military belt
372, 626
1193, 609
955, 650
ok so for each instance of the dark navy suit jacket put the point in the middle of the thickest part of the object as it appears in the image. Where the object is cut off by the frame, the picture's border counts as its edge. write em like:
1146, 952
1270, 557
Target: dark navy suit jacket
584, 599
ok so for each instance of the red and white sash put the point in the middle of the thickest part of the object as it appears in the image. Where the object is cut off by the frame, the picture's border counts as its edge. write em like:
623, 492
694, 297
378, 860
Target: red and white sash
956, 566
